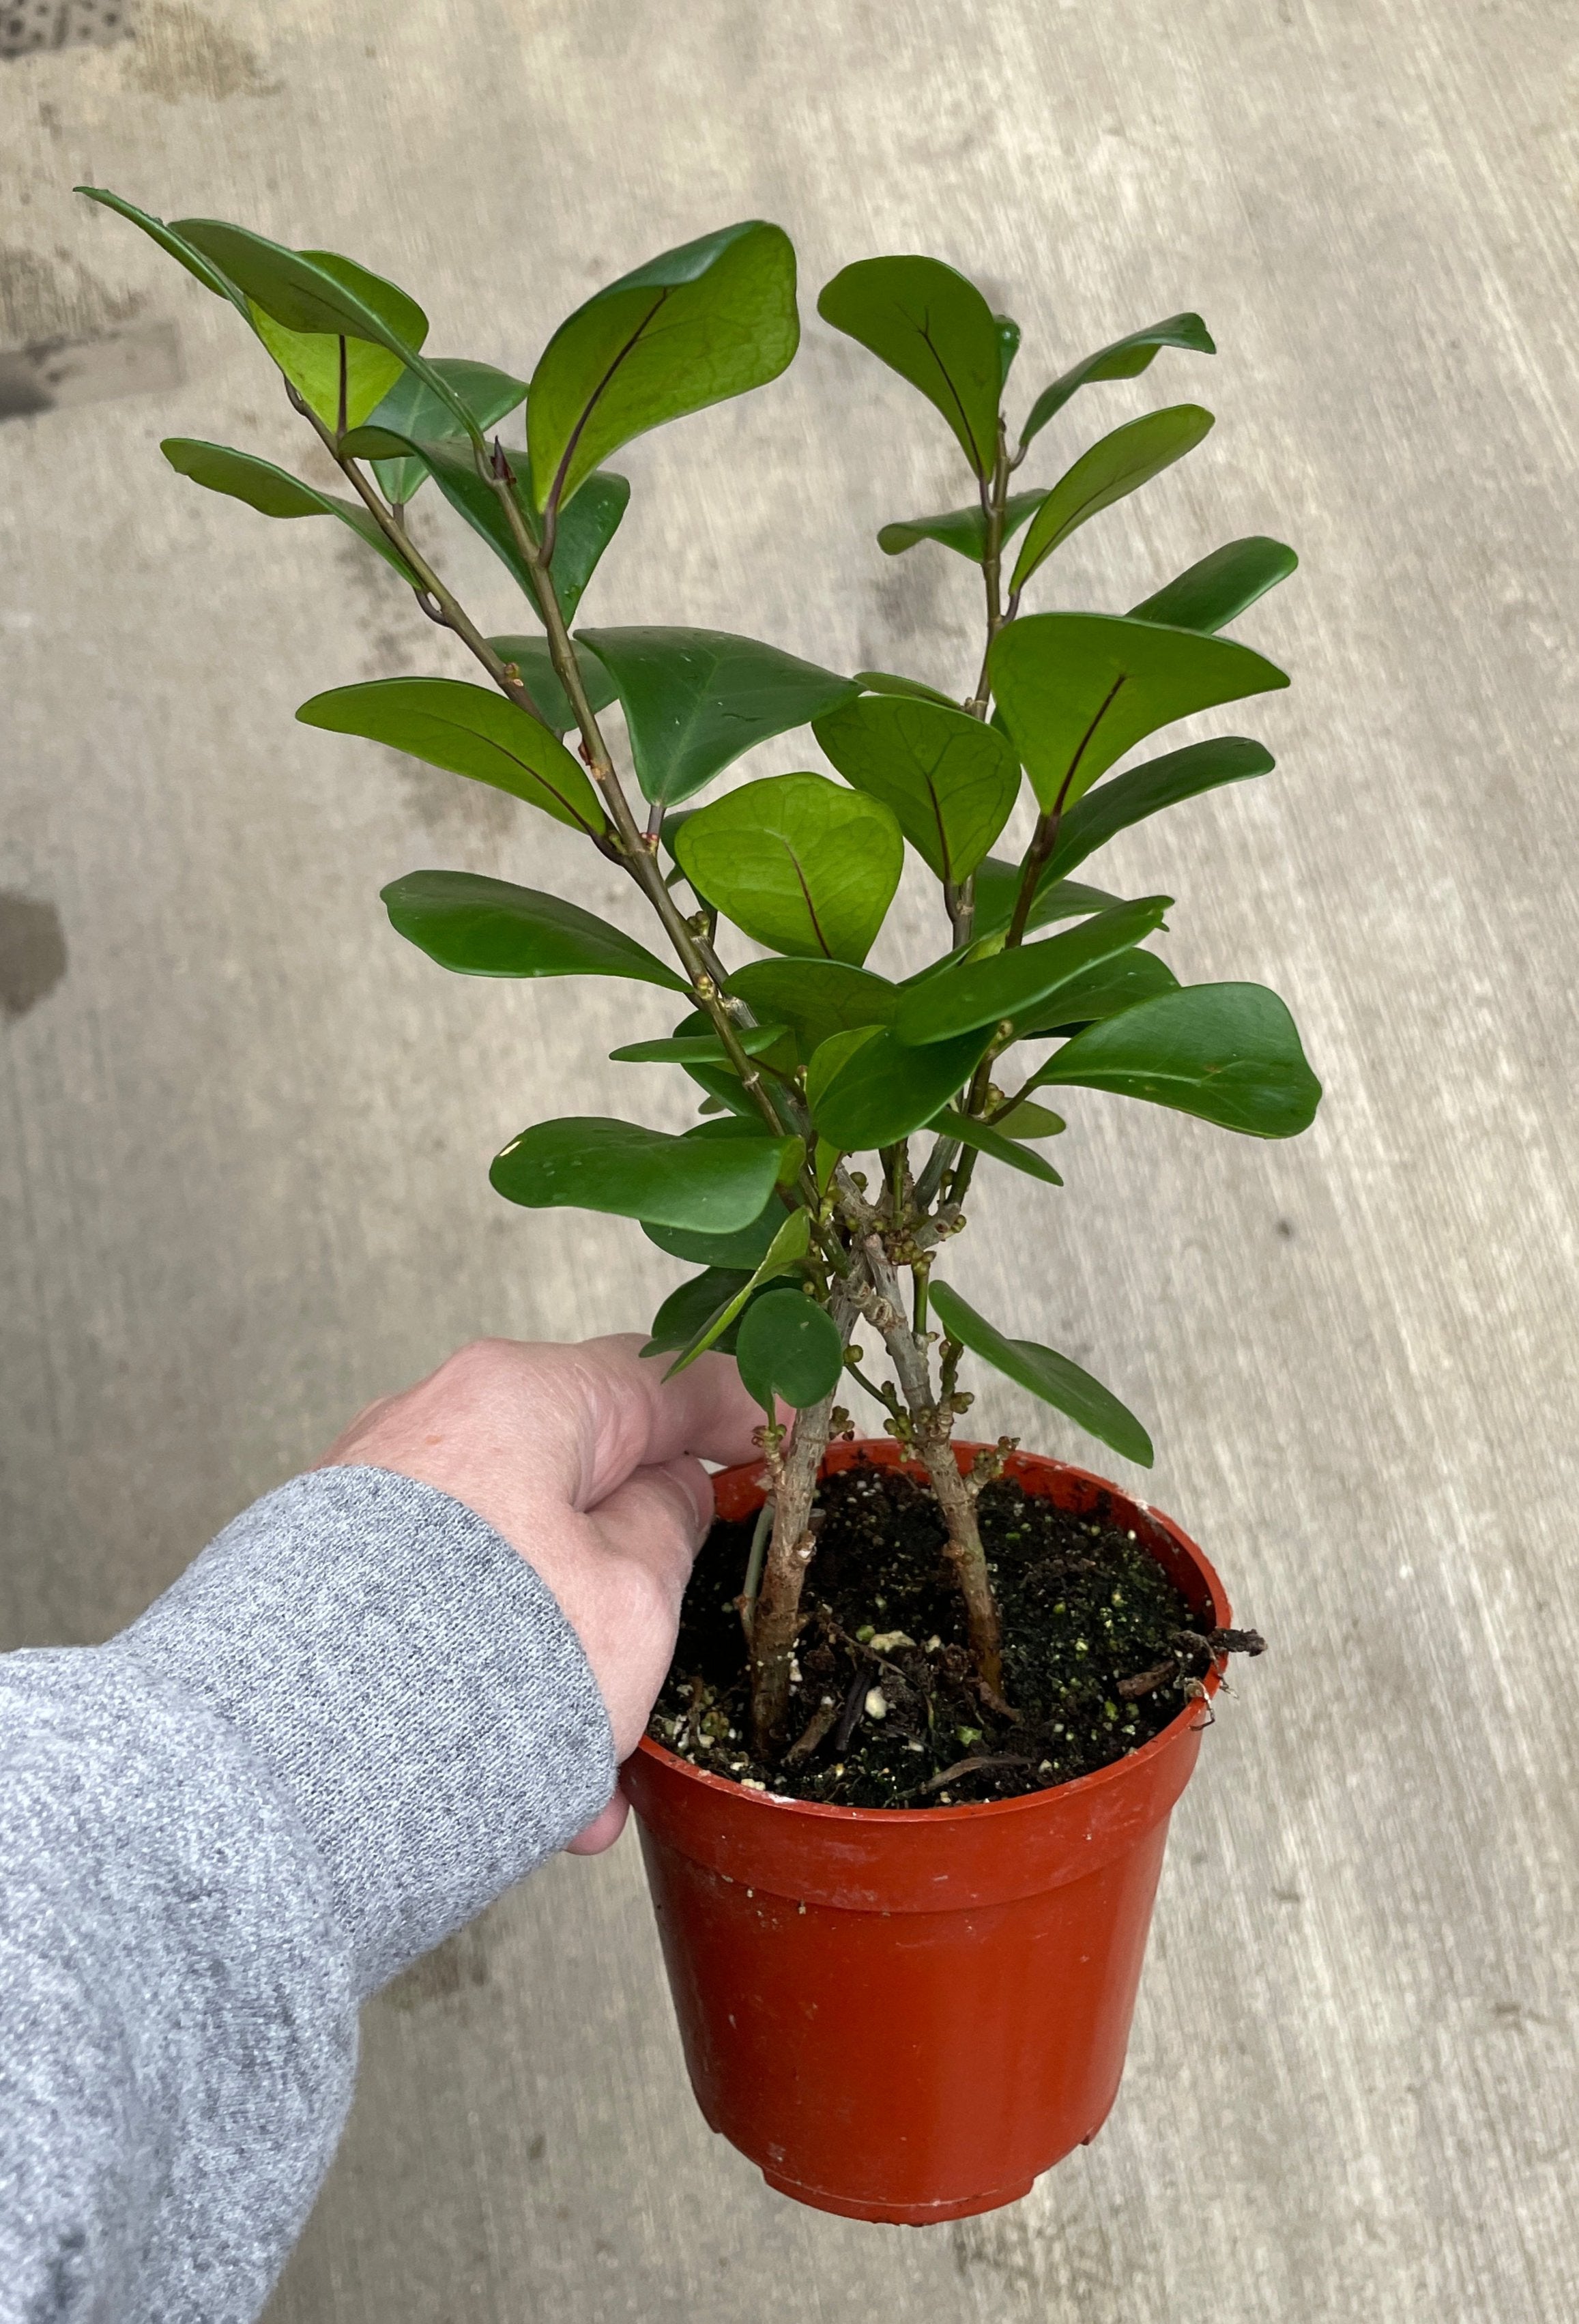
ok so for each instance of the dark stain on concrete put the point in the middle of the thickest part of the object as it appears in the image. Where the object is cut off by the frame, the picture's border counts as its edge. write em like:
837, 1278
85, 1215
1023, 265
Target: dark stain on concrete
179, 52
32, 952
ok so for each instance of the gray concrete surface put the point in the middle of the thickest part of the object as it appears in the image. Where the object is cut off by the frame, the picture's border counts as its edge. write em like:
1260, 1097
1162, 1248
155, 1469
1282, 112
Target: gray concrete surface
245, 1131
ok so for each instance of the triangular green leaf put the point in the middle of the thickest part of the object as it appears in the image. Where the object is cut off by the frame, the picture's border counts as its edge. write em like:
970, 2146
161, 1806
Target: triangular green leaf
591, 1164
1012, 985
1119, 463
1056, 1378
1211, 593
950, 781
1228, 1053
933, 327
799, 862
1080, 689
710, 320
1140, 792
488, 927
274, 492
696, 699
963, 530
468, 731
1121, 360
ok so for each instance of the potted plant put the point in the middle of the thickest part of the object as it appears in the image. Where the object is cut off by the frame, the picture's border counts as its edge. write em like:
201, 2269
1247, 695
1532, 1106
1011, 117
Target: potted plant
905, 1797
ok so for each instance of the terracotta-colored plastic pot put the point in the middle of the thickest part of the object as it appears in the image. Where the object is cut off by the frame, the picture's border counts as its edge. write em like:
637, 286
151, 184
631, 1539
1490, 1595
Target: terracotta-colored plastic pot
908, 2013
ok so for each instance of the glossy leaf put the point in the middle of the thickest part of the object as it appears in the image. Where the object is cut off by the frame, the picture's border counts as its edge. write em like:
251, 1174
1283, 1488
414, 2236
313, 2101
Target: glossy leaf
1078, 690
784, 1253
533, 659
692, 1307
411, 409
950, 781
935, 329
1012, 985
797, 862
816, 998
884, 681
1008, 335
695, 699
1118, 465
789, 1347
990, 1140
470, 731
1028, 1120
883, 1089
698, 324
697, 1049
579, 540
1140, 791
312, 361
588, 1163
1121, 360
272, 492
1228, 1053
963, 530
173, 244
480, 927
744, 1247
1123, 983
1211, 593
998, 887
318, 292
1057, 1380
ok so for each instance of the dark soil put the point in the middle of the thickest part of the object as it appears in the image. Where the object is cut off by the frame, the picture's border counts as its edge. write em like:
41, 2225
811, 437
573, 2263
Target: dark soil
1101, 1651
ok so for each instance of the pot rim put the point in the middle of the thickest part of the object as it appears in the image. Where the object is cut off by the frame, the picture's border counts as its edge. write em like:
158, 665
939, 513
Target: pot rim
979, 1811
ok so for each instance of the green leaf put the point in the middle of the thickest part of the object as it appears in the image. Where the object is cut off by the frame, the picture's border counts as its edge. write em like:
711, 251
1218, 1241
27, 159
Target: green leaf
1228, 1053
998, 887
1080, 689
963, 530
488, 927
1123, 360
312, 360
533, 659
935, 329
831, 1056
1140, 791
816, 998
797, 862
695, 699
1011, 984
989, 1139
1211, 593
173, 244
1028, 1120
950, 781
272, 492
884, 1089
883, 681
690, 328
789, 1347
1123, 983
411, 409
787, 1249
591, 1164
689, 1309
468, 731
744, 1247
1008, 348
1119, 463
697, 1049
1054, 1379
579, 540
318, 292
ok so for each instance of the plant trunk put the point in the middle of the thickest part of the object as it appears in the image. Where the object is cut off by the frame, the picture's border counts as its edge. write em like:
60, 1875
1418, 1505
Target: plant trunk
776, 1621
966, 1553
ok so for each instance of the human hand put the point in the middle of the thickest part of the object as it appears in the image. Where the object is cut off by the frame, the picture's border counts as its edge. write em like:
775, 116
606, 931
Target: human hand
589, 1463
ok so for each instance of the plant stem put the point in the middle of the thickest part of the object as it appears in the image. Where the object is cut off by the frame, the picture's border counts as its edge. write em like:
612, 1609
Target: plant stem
753, 1564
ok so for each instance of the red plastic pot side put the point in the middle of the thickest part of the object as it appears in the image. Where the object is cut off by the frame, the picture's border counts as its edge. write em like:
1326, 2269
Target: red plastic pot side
908, 2015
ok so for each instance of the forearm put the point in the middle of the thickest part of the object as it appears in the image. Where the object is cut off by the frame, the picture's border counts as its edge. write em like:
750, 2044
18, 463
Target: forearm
356, 1719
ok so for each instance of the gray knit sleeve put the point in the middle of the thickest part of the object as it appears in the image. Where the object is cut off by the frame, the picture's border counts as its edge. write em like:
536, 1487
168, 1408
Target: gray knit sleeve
355, 1720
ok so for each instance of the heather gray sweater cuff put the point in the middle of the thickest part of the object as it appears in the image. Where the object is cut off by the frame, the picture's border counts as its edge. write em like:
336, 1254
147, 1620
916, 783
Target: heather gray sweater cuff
412, 1683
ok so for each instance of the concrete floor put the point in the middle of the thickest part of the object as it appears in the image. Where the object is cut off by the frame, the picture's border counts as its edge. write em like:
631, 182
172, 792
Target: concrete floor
245, 1131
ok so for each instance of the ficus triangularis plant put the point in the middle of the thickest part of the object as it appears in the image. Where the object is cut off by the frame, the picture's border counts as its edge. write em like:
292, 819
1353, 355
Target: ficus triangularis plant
845, 1115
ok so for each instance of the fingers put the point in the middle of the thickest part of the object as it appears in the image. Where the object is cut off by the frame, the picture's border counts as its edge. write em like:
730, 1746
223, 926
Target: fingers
659, 1519
637, 1419
603, 1831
